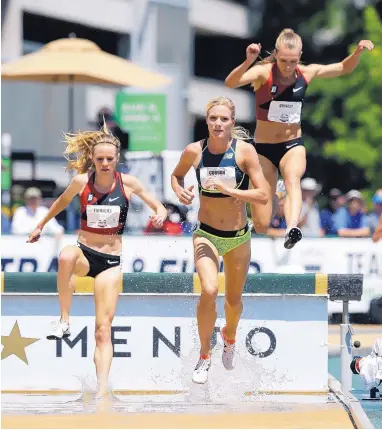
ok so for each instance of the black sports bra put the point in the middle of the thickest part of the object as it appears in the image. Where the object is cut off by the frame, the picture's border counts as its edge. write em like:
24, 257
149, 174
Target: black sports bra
222, 165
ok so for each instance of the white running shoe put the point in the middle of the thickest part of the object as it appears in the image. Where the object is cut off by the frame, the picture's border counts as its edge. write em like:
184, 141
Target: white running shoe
60, 329
229, 353
200, 374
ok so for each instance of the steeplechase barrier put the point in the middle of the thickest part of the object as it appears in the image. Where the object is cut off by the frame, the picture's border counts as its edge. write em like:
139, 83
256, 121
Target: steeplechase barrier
282, 336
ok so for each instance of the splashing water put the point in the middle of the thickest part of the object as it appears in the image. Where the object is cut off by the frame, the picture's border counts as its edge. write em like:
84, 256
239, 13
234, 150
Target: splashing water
248, 381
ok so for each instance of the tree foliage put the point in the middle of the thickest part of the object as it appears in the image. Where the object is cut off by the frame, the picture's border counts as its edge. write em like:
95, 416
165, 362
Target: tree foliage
350, 106
341, 116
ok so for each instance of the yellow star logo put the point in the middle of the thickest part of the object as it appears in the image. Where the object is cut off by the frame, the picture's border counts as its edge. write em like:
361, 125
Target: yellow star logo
15, 344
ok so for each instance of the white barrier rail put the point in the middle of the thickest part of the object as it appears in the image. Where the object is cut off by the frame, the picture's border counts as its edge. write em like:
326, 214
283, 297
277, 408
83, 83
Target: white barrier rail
175, 254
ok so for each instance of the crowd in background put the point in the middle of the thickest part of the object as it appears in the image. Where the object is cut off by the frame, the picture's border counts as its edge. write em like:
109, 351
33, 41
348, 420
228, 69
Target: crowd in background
338, 214
344, 215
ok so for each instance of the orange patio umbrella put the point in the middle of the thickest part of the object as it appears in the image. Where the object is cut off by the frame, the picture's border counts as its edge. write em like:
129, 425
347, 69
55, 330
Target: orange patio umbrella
75, 60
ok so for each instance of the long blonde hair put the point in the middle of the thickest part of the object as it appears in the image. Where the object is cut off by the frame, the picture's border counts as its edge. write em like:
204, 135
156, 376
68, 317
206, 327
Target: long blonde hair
82, 144
287, 38
237, 132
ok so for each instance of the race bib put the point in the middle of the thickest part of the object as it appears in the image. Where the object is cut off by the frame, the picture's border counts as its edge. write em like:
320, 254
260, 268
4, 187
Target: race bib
102, 216
285, 112
225, 174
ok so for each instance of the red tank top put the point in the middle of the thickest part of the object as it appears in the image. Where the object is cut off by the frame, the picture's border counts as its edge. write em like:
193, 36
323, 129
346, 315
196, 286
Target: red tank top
274, 90
104, 213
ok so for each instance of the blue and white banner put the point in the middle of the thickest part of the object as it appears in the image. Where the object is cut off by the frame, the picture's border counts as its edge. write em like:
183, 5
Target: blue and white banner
175, 254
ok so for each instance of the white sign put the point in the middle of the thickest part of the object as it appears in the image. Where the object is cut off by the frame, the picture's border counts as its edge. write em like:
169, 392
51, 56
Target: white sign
156, 346
139, 254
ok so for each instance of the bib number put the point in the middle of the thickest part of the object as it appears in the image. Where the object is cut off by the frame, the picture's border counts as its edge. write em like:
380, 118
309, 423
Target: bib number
286, 112
226, 174
102, 216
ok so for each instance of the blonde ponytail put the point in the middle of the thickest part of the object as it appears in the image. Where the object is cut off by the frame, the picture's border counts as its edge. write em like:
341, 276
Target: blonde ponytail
270, 58
287, 38
241, 133
80, 147
286, 31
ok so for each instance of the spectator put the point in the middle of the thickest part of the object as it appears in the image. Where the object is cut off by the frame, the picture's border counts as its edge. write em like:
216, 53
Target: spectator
27, 217
369, 368
113, 126
172, 226
310, 214
278, 223
373, 218
336, 201
187, 226
351, 220
5, 224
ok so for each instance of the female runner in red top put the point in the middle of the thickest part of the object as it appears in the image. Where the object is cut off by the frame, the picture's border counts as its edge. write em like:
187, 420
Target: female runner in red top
280, 82
105, 195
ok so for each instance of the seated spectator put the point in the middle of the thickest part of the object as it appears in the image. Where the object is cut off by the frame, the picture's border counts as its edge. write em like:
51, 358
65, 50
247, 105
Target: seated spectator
336, 201
26, 218
310, 223
369, 368
278, 223
187, 226
172, 225
351, 221
112, 125
5, 224
374, 217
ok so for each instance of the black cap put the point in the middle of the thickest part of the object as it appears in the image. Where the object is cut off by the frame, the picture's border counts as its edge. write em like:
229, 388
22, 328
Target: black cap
352, 364
105, 113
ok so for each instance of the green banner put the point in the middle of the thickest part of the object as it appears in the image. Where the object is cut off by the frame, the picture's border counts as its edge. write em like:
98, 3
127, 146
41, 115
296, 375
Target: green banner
6, 174
143, 116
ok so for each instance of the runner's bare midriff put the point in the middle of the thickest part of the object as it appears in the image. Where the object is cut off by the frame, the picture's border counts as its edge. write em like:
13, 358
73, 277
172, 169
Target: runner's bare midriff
225, 214
107, 244
276, 132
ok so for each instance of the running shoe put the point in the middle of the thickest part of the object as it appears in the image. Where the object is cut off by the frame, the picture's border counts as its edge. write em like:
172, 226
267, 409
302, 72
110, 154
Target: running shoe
228, 356
200, 374
292, 236
60, 329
